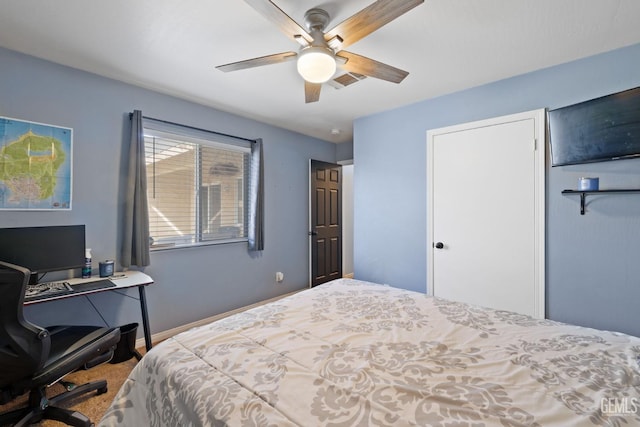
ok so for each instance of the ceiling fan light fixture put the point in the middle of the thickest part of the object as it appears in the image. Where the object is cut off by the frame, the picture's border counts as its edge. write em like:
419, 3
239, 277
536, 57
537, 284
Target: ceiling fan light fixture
316, 64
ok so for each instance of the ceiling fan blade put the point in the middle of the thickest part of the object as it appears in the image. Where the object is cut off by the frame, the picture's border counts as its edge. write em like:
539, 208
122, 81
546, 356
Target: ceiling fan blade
370, 19
287, 25
368, 67
311, 92
258, 62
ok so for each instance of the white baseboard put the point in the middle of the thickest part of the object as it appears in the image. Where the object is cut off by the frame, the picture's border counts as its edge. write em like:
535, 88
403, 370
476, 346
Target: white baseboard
161, 336
348, 276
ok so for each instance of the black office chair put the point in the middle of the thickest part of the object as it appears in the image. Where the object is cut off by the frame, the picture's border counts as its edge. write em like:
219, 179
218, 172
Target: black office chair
33, 358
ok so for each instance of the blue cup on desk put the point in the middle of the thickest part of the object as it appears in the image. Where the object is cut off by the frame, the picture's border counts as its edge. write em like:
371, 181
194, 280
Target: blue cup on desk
106, 268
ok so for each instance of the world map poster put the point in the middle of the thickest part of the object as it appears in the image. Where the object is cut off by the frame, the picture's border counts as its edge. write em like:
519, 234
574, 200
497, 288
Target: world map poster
35, 165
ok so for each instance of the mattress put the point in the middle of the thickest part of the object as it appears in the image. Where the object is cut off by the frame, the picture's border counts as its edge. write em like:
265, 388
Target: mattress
354, 353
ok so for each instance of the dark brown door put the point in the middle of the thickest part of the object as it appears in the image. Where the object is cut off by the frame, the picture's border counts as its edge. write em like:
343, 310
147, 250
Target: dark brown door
326, 222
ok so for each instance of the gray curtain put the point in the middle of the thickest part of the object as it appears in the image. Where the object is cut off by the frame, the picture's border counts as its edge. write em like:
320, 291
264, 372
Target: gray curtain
256, 198
135, 241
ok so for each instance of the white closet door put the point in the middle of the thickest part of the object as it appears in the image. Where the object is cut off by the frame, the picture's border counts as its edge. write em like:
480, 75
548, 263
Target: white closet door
487, 213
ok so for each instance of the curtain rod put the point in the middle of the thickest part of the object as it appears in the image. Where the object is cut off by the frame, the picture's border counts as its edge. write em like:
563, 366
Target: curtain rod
195, 128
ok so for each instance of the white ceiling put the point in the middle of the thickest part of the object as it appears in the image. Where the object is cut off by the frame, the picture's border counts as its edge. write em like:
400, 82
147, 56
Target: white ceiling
446, 45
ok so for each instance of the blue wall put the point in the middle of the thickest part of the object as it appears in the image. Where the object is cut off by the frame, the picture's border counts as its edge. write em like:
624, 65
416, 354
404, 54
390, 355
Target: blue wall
593, 261
191, 284
344, 151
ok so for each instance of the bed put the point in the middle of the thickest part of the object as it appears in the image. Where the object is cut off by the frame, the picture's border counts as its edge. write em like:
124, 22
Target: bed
354, 353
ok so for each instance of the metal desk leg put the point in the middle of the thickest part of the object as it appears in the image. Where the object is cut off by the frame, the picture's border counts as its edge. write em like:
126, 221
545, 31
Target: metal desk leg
145, 318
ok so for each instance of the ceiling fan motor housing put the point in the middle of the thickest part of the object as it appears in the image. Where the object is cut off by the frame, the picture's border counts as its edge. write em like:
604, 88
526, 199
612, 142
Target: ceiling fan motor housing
316, 19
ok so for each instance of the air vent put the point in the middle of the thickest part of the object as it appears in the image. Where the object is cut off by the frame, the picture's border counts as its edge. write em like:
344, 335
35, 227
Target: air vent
346, 79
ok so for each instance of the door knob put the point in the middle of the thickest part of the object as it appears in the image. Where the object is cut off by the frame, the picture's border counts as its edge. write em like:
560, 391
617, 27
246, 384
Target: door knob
313, 233
439, 245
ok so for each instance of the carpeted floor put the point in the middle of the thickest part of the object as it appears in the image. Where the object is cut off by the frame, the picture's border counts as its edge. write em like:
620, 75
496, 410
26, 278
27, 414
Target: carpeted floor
90, 404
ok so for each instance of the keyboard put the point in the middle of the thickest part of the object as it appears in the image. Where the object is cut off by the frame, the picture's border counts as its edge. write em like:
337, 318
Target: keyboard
54, 289
47, 290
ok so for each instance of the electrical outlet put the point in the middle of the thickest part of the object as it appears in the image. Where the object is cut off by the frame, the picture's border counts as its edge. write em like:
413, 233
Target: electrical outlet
279, 277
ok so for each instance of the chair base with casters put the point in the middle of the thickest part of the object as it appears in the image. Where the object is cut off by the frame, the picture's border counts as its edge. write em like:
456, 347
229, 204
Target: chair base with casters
40, 407
33, 358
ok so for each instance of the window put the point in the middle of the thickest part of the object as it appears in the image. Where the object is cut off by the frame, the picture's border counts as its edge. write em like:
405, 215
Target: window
197, 184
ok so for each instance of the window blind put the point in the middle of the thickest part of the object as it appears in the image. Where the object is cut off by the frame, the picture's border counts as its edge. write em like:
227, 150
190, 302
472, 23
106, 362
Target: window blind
197, 185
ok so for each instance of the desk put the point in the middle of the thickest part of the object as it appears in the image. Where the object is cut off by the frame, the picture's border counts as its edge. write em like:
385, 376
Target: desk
124, 280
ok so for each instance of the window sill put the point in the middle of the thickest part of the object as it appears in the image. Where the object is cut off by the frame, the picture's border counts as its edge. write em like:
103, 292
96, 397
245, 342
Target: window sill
171, 246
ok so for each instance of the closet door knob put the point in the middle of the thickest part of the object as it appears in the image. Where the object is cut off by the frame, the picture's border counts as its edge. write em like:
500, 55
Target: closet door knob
439, 245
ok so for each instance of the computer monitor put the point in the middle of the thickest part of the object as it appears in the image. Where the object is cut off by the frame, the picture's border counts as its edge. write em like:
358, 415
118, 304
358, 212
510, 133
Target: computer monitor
43, 249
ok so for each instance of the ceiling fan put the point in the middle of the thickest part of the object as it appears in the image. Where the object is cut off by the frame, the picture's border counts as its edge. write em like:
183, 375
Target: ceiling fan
322, 51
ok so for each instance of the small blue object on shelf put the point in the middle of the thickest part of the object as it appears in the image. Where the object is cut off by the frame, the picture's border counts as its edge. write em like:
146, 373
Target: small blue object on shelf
588, 184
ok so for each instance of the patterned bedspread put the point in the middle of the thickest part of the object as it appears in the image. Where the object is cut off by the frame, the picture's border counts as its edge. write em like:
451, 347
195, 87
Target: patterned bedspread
353, 353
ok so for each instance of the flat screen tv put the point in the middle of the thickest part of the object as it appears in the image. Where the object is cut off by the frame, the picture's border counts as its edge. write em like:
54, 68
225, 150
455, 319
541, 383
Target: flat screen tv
601, 129
43, 249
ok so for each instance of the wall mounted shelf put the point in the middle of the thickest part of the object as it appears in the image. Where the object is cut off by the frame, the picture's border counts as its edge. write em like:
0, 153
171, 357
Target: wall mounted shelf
583, 194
